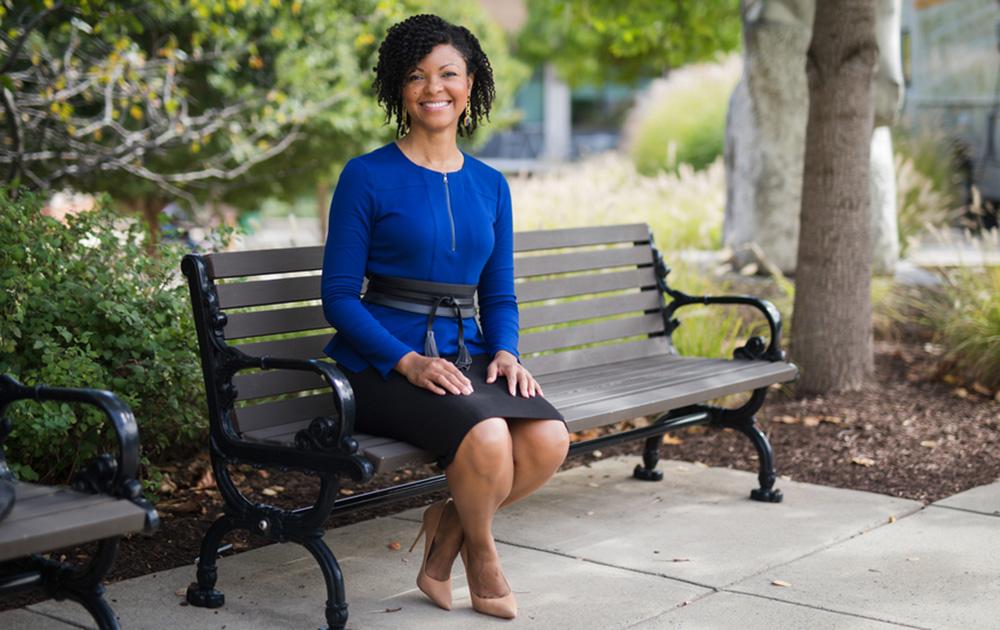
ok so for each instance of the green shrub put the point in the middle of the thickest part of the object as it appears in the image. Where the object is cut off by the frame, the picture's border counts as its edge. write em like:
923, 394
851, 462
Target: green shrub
683, 120
966, 320
82, 304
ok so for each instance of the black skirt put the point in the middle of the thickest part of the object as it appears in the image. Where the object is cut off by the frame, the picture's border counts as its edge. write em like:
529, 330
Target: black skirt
398, 409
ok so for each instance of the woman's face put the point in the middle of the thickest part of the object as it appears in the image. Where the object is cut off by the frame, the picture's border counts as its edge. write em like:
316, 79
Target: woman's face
436, 90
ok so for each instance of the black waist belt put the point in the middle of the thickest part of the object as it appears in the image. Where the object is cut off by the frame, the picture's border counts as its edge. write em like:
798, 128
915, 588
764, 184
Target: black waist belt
427, 298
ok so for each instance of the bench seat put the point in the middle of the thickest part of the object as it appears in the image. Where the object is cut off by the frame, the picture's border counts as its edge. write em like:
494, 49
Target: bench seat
597, 396
48, 517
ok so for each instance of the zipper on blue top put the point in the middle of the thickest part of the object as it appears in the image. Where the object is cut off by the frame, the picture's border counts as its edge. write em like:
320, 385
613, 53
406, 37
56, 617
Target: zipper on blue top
451, 217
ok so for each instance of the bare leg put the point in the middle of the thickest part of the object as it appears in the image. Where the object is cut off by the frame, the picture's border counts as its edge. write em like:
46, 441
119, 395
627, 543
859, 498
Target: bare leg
539, 448
480, 478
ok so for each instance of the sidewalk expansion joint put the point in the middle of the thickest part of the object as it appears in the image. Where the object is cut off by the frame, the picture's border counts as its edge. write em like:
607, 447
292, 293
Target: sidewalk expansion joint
847, 613
67, 622
823, 548
994, 514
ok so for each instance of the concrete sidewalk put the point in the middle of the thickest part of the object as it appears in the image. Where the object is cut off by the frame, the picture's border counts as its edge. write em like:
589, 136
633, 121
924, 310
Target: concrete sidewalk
597, 549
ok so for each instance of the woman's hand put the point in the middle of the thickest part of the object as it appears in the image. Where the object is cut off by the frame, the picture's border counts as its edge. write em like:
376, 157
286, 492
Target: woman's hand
434, 373
518, 378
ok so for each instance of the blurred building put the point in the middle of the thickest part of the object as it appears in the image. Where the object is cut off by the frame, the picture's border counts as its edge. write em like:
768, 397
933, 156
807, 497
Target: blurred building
559, 123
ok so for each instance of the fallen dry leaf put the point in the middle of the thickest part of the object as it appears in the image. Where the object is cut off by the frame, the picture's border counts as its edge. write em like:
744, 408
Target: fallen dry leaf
951, 379
892, 519
186, 506
786, 419
863, 461
780, 583
981, 389
672, 440
181, 592
811, 421
346, 492
207, 480
597, 454
929, 444
832, 419
394, 545
961, 392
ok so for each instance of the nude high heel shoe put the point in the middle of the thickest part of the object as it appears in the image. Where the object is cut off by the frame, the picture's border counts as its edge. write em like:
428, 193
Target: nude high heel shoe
503, 606
439, 591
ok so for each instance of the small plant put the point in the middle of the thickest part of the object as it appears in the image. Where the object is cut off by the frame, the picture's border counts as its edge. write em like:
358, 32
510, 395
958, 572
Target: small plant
682, 118
82, 304
966, 320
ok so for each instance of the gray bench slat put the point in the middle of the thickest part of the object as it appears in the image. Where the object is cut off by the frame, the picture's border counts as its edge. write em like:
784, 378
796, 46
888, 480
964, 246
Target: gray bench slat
306, 347
560, 361
264, 262
675, 373
531, 290
263, 292
32, 527
619, 376
563, 312
253, 417
569, 377
393, 455
617, 408
577, 237
582, 261
275, 382
581, 334
275, 321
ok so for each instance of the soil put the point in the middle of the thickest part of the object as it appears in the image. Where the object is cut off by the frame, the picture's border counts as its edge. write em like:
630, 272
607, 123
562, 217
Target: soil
914, 432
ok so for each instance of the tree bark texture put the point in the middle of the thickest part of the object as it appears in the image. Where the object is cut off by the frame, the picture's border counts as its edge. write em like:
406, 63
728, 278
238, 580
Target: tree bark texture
831, 328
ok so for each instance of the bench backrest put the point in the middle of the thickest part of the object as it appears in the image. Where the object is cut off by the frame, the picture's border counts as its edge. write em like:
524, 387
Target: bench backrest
587, 296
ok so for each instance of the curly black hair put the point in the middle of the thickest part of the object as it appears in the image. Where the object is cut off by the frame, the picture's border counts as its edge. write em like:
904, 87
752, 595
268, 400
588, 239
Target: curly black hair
409, 41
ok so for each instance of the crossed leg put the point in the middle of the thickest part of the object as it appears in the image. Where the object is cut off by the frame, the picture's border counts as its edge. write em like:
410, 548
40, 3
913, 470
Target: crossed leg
497, 463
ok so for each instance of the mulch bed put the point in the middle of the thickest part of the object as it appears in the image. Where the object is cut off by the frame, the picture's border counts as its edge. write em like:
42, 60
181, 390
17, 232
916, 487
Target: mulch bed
913, 432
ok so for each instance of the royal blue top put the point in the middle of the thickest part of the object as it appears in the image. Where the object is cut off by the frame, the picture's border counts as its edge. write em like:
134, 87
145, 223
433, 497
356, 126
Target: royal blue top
392, 217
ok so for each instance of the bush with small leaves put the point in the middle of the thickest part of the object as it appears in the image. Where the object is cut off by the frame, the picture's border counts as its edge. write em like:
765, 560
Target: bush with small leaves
82, 304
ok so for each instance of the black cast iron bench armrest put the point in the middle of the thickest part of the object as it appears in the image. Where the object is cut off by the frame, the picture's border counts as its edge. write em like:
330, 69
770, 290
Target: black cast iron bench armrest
754, 348
327, 445
108, 475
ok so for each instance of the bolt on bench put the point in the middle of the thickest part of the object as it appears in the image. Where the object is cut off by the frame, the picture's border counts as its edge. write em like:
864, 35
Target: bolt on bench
596, 333
104, 504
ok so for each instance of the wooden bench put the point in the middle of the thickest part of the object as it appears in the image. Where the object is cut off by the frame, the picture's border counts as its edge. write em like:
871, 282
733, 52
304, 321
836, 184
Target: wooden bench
104, 503
596, 332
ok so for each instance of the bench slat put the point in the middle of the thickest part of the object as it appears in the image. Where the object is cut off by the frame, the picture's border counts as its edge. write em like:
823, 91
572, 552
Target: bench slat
582, 261
532, 290
275, 321
560, 361
254, 417
563, 312
33, 527
590, 333
308, 347
264, 262
264, 292
577, 237
619, 407
275, 382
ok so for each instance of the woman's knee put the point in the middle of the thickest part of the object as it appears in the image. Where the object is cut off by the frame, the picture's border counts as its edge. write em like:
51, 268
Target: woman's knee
487, 446
543, 442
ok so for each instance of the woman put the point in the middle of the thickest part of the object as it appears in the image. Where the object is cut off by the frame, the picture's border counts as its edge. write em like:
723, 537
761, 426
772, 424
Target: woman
429, 226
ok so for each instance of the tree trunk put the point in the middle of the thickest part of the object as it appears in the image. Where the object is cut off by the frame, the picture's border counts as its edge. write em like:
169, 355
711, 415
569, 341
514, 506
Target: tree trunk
832, 328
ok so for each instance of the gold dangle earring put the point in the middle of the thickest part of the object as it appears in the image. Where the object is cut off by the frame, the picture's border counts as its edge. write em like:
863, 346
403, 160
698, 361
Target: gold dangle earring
467, 121
405, 127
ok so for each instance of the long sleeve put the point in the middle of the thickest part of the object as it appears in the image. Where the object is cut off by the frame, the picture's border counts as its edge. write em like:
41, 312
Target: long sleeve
344, 259
497, 301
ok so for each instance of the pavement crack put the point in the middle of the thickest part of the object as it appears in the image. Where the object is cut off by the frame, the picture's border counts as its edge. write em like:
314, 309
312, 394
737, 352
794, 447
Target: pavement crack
900, 624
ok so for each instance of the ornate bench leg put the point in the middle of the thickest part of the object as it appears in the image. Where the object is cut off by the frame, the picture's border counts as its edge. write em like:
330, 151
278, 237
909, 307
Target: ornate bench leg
336, 600
650, 457
98, 608
766, 474
203, 592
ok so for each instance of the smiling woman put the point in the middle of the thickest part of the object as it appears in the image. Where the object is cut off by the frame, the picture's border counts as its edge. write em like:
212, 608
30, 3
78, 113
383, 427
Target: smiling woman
431, 228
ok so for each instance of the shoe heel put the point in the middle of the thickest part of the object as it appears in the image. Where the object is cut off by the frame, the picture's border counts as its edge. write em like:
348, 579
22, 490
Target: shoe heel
423, 528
